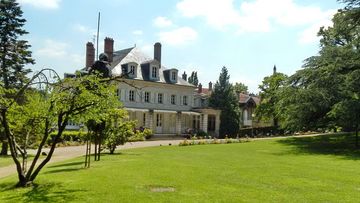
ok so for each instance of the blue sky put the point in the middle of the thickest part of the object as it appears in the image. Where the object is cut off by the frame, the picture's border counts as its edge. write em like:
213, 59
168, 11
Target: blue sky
247, 36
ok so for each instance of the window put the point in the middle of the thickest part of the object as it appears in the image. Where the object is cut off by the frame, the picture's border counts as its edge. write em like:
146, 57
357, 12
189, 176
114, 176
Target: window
131, 95
147, 97
185, 102
154, 72
158, 120
160, 98
173, 76
173, 99
144, 119
132, 70
211, 122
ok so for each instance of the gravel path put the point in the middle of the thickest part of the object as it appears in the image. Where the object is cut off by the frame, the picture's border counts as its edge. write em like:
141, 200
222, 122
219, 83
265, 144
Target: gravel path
64, 153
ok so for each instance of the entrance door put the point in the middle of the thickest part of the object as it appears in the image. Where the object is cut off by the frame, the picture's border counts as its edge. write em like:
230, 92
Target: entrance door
159, 123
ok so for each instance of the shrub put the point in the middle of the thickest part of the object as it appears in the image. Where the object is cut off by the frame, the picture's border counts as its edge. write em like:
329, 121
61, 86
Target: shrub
184, 143
69, 136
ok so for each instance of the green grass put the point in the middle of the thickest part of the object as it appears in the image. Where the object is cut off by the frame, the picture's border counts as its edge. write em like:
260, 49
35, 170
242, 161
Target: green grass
5, 160
321, 169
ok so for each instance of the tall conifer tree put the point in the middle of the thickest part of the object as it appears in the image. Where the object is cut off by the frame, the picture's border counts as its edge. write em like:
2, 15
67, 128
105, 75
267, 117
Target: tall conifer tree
225, 99
14, 53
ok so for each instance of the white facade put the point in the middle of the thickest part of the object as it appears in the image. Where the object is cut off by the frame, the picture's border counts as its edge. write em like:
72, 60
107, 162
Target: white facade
158, 98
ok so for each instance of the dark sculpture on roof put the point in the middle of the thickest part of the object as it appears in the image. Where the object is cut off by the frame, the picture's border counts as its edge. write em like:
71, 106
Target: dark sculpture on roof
101, 66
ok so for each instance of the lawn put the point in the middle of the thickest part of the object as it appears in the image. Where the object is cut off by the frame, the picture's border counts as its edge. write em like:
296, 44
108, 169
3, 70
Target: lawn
321, 169
5, 160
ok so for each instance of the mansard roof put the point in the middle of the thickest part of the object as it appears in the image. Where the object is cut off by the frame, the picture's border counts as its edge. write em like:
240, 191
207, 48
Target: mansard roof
135, 55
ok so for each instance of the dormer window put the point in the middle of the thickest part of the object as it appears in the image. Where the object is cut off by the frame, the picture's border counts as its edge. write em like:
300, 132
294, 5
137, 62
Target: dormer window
154, 72
173, 76
132, 70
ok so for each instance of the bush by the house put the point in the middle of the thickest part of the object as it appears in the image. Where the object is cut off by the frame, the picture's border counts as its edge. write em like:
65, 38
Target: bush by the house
260, 132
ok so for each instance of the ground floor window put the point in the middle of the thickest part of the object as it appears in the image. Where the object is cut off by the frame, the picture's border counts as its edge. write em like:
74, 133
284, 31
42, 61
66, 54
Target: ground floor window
158, 120
211, 122
196, 122
144, 119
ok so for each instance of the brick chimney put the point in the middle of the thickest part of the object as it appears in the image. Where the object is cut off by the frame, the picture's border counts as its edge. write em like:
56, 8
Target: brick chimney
90, 54
109, 48
157, 51
199, 88
210, 86
184, 76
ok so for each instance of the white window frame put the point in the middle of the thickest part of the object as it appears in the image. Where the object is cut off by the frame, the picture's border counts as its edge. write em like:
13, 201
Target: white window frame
131, 95
158, 120
173, 99
185, 100
147, 97
132, 70
160, 98
154, 72
173, 76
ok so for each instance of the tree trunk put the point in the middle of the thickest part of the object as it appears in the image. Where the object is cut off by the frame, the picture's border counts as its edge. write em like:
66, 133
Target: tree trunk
357, 136
95, 153
4, 148
112, 149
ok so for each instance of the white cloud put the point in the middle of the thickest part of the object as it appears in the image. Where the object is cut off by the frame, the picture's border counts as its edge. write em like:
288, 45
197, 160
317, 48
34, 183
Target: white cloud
179, 36
137, 32
162, 22
255, 16
309, 35
84, 29
147, 49
42, 4
53, 49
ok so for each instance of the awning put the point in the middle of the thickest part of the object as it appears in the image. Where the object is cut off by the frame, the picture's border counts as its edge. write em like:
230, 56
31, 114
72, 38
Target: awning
164, 111
135, 109
191, 113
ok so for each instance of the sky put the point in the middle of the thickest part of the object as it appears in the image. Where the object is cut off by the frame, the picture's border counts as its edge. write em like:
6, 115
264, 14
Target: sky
248, 37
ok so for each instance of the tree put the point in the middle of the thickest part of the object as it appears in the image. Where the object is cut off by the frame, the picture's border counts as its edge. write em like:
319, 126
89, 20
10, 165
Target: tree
269, 90
225, 99
77, 99
325, 93
240, 87
14, 53
117, 130
193, 79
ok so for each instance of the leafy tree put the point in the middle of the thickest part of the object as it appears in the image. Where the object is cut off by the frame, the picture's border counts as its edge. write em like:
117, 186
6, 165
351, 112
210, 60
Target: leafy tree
77, 99
269, 90
193, 79
240, 87
225, 99
324, 94
14, 53
117, 130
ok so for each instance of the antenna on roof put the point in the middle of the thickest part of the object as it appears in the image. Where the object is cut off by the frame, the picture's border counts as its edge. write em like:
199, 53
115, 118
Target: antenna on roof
97, 38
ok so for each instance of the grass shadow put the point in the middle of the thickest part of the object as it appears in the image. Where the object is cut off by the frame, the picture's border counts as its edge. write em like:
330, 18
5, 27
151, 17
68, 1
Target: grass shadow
336, 144
63, 170
47, 192
67, 164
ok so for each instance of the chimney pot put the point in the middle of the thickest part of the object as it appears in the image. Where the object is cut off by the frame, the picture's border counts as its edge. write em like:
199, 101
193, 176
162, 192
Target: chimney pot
157, 51
109, 48
184, 76
199, 88
90, 55
210, 86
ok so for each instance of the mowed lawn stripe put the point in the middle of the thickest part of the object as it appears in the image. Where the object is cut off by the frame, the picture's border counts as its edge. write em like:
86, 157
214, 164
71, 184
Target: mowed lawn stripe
258, 171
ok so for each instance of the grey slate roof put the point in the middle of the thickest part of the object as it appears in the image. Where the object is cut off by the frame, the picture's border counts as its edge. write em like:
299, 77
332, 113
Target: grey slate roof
135, 55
